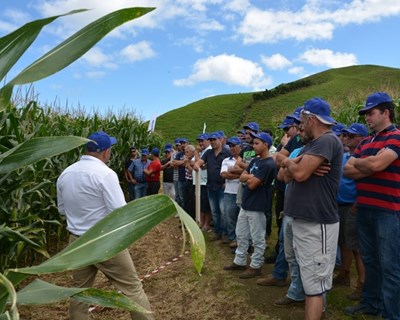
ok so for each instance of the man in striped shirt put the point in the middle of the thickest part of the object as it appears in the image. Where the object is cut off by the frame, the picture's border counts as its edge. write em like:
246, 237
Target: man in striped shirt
376, 167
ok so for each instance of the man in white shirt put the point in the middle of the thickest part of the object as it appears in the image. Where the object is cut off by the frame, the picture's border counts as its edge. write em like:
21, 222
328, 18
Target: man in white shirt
87, 191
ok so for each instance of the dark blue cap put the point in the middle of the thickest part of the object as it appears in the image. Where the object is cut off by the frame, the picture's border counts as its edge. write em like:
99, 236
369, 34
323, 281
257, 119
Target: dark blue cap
263, 136
296, 114
183, 140
374, 100
234, 140
253, 126
177, 141
145, 152
214, 135
203, 136
337, 128
358, 129
287, 123
100, 142
155, 151
320, 109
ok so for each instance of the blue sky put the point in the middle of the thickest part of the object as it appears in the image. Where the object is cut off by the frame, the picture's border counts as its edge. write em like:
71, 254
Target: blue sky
186, 50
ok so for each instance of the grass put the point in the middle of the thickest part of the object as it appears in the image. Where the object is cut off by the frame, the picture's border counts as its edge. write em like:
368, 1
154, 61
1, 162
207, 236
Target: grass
344, 88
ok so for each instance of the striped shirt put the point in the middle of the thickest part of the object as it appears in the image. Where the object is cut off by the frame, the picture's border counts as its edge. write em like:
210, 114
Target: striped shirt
381, 189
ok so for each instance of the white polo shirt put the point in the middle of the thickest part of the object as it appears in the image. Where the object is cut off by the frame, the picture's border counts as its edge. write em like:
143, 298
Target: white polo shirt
87, 191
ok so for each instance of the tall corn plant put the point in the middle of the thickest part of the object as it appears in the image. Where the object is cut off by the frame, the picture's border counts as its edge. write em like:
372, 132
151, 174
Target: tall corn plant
21, 149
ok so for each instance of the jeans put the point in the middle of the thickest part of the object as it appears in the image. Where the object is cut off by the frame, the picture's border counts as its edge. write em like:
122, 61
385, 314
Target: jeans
131, 190
295, 291
180, 192
231, 212
140, 190
281, 267
169, 189
216, 198
250, 225
379, 239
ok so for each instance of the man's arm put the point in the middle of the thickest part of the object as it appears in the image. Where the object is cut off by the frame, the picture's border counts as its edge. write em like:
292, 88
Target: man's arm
302, 167
250, 180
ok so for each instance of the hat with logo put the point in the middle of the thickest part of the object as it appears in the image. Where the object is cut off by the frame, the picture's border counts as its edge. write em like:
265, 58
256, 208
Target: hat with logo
320, 109
203, 136
375, 100
337, 128
145, 152
253, 126
296, 115
263, 136
100, 142
287, 123
357, 129
214, 135
234, 141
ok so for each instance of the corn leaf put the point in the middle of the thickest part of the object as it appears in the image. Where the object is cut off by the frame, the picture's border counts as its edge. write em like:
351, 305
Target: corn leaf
75, 46
7, 289
37, 149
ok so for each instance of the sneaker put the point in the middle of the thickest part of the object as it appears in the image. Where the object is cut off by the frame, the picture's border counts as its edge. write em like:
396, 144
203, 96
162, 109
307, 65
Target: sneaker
235, 266
271, 281
286, 301
233, 244
342, 280
359, 309
250, 273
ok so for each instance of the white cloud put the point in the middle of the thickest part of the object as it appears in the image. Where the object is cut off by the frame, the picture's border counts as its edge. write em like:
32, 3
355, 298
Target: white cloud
211, 26
312, 21
228, 69
276, 61
97, 58
95, 74
328, 58
237, 5
138, 51
296, 70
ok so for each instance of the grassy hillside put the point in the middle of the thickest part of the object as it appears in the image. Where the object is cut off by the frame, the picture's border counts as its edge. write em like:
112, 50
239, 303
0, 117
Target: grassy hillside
342, 88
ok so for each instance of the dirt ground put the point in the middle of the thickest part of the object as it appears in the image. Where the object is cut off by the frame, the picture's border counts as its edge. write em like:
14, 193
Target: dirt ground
178, 292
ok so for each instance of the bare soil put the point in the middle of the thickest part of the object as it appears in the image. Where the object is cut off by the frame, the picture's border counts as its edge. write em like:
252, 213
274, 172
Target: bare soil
177, 292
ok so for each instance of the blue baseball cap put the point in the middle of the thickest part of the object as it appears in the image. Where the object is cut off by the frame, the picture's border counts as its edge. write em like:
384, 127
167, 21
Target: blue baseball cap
214, 135
222, 134
241, 131
202, 136
375, 100
145, 152
320, 109
185, 140
356, 128
296, 115
100, 142
233, 140
253, 126
155, 151
177, 141
287, 123
263, 136
337, 128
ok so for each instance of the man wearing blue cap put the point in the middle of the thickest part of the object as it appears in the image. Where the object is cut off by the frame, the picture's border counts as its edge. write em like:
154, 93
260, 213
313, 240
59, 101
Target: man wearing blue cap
152, 172
315, 223
88, 191
168, 172
375, 167
178, 163
251, 223
136, 169
346, 198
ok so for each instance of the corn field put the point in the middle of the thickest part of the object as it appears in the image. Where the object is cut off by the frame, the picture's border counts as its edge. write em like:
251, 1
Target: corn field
27, 196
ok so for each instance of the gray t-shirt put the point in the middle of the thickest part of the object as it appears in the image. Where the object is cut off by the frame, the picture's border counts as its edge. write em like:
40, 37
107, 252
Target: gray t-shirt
315, 199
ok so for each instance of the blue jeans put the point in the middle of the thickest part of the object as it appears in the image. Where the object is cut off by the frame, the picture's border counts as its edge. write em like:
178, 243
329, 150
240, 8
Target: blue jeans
140, 190
216, 198
131, 190
231, 212
379, 239
295, 291
250, 225
180, 192
281, 267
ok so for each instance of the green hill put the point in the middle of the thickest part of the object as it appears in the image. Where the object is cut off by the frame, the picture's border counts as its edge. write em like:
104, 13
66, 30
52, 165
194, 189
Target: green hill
343, 88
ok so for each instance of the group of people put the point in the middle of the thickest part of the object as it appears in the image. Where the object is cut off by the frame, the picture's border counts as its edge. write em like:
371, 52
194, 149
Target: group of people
336, 188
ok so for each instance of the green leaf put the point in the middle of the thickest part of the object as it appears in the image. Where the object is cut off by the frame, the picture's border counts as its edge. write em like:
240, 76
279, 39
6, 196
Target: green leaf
41, 292
14, 44
75, 46
118, 231
10, 233
37, 149
7, 286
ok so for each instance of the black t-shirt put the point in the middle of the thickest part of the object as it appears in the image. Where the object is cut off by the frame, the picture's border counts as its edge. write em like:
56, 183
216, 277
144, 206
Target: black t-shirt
168, 172
214, 179
259, 198
293, 143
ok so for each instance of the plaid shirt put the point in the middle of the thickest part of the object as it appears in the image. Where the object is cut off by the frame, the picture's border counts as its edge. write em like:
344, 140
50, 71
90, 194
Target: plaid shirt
137, 167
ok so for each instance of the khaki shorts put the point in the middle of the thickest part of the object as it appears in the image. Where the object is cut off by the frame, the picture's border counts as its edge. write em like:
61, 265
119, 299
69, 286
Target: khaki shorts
315, 247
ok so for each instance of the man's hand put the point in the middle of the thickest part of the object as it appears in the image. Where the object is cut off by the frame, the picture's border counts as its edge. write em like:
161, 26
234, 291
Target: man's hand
322, 170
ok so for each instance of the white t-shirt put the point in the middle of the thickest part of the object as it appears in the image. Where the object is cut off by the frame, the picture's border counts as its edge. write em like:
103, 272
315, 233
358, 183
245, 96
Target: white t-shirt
231, 186
87, 191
